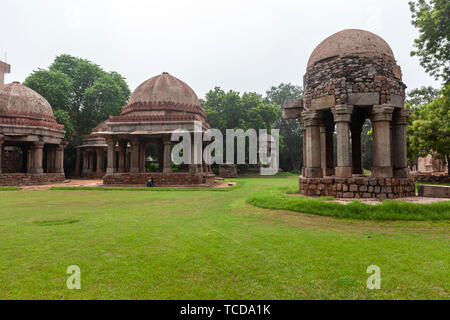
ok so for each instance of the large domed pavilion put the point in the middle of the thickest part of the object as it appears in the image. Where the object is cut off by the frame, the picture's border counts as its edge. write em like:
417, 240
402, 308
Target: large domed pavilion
157, 108
31, 141
353, 76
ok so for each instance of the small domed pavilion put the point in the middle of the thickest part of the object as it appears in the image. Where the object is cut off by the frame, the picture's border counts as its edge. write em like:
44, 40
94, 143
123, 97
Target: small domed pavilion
31, 141
157, 108
352, 76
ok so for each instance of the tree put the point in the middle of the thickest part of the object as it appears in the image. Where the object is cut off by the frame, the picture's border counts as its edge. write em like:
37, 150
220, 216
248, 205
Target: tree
432, 18
55, 86
82, 95
291, 146
230, 110
421, 96
429, 129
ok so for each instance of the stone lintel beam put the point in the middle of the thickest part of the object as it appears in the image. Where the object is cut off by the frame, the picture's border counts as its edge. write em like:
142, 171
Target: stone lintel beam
364, 99
292, 109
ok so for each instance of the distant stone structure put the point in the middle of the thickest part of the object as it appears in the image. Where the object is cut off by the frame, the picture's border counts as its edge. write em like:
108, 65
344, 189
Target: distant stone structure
91, 155
228, 171
429, 164
31, 141
353, 76
157, 108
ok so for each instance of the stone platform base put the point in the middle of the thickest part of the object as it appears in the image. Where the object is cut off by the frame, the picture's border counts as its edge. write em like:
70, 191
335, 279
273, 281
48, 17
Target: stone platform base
434, 191
167, 179
28, 179
359, 187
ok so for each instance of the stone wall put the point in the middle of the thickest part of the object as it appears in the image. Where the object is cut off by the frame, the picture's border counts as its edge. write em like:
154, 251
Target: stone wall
228, 171
336, 77
430, 178
362, 187
165, 179
12, 162
28, 179
434, 191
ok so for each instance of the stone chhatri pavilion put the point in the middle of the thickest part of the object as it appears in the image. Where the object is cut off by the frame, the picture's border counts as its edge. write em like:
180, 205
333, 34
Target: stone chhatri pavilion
31, 142
353, 76
157, 108
91, 155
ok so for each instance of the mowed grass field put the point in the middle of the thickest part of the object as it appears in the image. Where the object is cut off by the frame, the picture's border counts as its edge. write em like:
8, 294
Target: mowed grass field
209, 245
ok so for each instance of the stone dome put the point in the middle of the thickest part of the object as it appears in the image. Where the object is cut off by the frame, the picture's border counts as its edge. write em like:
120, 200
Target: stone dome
164, 88
351, 42
17, 100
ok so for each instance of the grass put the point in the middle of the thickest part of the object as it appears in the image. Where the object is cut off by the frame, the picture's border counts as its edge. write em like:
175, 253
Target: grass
10, 189
209, 245
279, 198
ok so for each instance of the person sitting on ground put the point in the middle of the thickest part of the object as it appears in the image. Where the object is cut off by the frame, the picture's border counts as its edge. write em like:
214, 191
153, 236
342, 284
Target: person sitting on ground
150, 183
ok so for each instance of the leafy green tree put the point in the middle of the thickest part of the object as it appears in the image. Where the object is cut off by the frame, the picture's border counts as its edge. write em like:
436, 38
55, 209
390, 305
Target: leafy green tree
429, 129
291, 153
82, 95
421, 96
55, 86
432, 18
231, 110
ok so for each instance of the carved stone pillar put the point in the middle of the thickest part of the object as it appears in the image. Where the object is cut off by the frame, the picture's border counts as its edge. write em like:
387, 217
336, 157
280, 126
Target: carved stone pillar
302, 125
110, 164
381, 125
342, 117
167, 165
312, 121
59, 158
142, 156
327, 154
400, 161
134, 155
122, 155
100, 162
38, 148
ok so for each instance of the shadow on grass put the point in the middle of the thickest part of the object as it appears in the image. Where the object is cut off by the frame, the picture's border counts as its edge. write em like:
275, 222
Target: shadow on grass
277, 198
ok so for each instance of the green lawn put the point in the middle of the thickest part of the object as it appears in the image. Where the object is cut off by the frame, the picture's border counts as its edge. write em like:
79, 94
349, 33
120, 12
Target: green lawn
209, 245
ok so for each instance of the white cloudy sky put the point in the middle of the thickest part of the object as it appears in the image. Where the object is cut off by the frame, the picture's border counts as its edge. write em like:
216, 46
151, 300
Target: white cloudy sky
244, 45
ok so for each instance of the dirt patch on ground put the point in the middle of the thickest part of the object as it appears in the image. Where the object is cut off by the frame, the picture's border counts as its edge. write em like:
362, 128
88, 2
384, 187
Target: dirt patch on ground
417, 200
99, 183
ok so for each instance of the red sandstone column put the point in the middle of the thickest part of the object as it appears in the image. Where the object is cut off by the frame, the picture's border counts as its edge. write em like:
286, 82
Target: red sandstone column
142, 156
122, 155
342, 117
134, 155
59, 161
100, 171
167, 167
381, 124
110, 165
38, 148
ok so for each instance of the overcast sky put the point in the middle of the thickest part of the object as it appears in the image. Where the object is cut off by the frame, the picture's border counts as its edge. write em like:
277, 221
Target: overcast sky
241, 45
